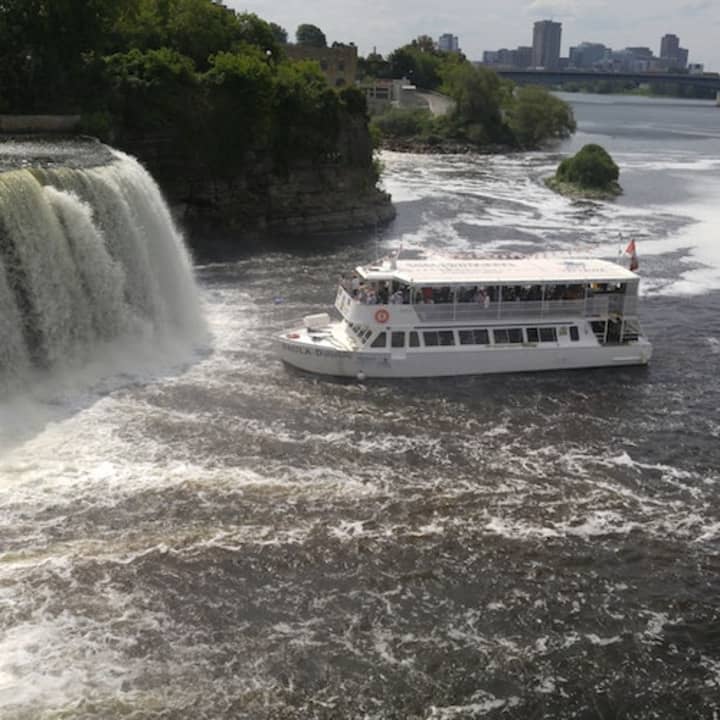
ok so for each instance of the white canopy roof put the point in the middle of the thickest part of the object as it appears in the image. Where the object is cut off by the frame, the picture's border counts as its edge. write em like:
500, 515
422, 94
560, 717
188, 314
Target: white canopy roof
530, 270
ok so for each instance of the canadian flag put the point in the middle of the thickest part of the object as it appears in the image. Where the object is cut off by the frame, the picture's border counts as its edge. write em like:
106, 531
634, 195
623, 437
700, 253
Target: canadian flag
632, 252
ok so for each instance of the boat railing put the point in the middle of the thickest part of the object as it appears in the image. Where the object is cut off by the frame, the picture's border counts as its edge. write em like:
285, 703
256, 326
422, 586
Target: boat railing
598, 306
533, 310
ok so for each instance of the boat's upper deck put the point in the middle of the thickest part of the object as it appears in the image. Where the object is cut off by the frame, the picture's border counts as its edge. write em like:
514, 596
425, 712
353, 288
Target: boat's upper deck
531, 269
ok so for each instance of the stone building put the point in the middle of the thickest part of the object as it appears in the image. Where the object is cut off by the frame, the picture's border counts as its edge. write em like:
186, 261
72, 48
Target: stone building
338, 63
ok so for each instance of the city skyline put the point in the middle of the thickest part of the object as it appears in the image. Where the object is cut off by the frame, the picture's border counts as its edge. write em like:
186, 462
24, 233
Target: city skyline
545, 53
486, 26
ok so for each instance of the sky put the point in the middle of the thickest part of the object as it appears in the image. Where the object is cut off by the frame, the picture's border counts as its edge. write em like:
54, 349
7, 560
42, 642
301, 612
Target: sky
485, 25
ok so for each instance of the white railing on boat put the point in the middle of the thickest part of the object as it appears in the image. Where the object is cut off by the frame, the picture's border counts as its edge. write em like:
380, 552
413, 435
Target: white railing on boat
599, 306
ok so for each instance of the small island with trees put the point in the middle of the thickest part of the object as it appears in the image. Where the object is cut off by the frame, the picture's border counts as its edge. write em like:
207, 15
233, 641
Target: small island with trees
489, 113
590, 173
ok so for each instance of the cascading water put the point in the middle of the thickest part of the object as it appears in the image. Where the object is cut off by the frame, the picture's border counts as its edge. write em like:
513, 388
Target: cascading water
88, 256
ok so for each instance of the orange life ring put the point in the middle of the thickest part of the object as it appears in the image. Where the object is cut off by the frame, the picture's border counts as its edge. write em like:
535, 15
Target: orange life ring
382, 315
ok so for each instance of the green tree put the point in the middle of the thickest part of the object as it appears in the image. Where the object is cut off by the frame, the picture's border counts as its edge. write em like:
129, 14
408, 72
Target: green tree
373, 66
44, 43
145, 88
535, 115
279, 33
404, 122
418, 63
424, 43
310, 35
591, 167
239, 91
478, 94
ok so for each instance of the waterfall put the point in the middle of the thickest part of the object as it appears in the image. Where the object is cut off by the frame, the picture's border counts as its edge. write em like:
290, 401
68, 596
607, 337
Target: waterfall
88, 256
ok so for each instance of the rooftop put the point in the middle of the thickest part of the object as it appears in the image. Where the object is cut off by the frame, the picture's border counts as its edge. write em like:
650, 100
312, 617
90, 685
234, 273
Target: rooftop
531, 269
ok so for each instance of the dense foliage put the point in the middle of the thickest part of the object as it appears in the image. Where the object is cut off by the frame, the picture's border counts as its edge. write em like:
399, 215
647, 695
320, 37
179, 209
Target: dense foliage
591, 168
536, 115
175, 69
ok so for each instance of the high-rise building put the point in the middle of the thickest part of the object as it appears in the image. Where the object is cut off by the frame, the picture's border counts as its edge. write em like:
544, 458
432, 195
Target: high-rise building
449, 43
672, 53
546, 44
669, 46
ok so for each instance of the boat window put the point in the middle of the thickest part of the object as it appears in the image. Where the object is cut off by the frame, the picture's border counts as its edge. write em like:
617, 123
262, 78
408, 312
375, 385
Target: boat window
508, 335
431, 338
532, 335
397, 339
500, 336
414, 339
574, 333
548, 334
380, 340
474, 337
447, 337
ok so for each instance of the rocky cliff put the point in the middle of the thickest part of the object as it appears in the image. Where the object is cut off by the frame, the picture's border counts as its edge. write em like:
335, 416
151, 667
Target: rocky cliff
307, 195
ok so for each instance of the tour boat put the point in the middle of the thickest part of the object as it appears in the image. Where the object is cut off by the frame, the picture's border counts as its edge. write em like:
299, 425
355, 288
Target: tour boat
433, 316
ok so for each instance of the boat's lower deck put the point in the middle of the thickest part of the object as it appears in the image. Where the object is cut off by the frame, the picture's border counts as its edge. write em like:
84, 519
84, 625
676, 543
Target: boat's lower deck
435, 352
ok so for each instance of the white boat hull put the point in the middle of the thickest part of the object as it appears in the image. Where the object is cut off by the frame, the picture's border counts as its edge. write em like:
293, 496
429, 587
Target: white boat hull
454, 361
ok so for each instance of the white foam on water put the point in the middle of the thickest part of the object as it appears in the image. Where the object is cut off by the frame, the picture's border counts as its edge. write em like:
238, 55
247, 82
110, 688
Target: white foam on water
51, 660
602, 642
482, 704
299, 634
655, 629
713, 667
546, 686
518, 530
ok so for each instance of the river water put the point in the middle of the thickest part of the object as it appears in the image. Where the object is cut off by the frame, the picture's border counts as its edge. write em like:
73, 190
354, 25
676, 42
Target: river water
228, 538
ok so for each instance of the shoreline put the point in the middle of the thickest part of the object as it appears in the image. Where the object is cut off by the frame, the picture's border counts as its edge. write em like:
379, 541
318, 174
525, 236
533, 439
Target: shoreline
444, 147
577, 192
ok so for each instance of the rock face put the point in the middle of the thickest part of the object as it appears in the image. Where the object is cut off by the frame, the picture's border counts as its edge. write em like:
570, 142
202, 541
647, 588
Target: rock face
334, 193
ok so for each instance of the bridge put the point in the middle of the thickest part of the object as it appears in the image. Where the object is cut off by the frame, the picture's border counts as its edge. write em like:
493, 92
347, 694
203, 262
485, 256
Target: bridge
556, 77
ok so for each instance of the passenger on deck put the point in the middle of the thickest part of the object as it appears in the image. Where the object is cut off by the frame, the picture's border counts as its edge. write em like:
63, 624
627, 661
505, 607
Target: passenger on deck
382, 294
